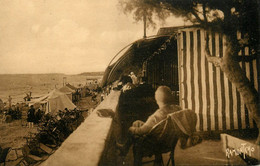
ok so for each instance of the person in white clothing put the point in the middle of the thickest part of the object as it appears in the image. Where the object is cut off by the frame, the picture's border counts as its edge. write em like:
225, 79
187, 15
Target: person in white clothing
134, 78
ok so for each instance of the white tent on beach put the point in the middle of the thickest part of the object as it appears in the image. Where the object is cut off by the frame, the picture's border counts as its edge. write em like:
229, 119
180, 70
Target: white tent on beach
54, 101
69, 92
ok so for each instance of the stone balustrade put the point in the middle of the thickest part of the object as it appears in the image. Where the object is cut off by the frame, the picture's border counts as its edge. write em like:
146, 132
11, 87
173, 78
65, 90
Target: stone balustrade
86, 145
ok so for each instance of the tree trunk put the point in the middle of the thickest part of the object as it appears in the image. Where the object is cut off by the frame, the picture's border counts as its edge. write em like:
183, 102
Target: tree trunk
238, 78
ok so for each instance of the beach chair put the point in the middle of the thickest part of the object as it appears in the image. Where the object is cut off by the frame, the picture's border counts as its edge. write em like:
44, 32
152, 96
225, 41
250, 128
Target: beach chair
163, 137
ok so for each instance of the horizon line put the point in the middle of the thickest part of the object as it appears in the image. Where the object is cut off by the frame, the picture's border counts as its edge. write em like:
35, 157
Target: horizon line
52, 73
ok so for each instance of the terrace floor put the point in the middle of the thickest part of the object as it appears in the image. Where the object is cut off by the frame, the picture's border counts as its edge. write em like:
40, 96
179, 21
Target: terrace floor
209, 152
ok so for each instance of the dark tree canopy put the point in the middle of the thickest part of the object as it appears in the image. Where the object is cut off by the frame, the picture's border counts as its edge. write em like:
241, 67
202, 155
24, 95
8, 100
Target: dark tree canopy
226, 16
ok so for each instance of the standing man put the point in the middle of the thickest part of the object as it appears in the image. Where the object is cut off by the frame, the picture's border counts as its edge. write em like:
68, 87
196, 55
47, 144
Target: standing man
31, 116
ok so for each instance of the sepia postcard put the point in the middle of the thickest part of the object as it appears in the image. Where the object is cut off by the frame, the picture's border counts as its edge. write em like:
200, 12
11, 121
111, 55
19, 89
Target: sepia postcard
129, 82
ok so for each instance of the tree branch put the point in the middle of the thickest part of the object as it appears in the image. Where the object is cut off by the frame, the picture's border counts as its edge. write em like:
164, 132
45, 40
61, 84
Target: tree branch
215, 60
196, 16
204, 13
211, 59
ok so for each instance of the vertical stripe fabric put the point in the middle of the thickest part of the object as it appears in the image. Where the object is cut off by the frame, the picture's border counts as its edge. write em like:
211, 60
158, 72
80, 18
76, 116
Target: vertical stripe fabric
205, 88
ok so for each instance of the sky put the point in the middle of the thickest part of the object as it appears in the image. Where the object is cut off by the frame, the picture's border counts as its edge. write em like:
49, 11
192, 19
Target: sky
65, 36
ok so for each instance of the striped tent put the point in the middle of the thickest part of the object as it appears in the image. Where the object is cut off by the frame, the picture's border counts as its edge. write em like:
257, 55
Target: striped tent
205, 88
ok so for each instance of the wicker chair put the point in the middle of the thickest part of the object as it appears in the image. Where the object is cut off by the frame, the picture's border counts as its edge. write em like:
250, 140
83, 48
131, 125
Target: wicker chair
162, 138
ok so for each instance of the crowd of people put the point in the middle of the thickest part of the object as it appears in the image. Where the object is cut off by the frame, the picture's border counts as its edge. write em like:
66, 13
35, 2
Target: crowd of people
126, 82
14, 112
21, 111
30, 115
52, 128
34, 116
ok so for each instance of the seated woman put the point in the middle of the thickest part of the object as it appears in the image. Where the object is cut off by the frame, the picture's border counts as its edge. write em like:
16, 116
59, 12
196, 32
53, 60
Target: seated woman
165, 100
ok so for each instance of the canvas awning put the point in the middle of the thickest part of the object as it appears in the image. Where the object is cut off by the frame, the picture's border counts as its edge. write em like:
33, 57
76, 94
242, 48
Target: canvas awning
132, 59
67, 91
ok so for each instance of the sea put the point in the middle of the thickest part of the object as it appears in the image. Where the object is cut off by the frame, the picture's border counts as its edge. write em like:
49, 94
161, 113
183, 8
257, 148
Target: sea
18, 85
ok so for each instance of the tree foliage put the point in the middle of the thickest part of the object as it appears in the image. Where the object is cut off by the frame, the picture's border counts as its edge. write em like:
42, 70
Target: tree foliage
142, 8
225, 16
